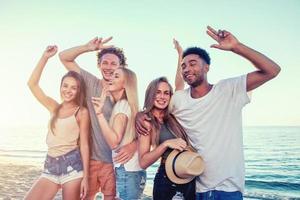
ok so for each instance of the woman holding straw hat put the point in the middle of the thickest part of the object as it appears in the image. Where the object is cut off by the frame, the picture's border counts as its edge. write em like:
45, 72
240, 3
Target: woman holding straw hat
166, 134
166, 140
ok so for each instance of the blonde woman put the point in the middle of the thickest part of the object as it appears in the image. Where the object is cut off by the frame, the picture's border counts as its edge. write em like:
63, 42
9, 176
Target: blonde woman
66, 165
119, 130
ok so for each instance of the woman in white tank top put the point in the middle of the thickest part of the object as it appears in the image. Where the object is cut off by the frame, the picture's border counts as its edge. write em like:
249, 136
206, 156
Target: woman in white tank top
66, 164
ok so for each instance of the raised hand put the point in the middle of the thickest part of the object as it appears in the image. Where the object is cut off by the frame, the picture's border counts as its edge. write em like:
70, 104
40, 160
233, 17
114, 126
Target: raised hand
50, 51
178, 47
98, 102
226, 41
98, 44
102, 43
177, 143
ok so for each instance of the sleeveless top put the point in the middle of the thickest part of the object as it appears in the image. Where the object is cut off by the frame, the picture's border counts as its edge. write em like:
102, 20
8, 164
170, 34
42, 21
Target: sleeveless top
165, 134
65, 136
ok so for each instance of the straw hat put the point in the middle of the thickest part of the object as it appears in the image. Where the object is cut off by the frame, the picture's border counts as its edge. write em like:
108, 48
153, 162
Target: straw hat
182, 167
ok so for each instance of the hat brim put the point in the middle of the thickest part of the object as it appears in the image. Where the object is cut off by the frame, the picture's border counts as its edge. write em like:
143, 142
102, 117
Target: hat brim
169, 169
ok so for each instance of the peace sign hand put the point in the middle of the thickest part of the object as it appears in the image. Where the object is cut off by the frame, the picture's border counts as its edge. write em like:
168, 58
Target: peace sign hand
98, 44
98, 102
226, 41
102, 43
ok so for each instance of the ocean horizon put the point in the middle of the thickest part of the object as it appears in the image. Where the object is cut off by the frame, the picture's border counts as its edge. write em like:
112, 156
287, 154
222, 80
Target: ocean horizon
272, 157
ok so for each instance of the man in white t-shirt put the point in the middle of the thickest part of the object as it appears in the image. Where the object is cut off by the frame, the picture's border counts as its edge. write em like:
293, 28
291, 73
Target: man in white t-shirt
212, 115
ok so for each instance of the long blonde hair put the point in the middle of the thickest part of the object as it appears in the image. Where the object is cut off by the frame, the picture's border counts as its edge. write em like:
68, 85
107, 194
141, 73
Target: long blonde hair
80, 98
170, 121
130, 86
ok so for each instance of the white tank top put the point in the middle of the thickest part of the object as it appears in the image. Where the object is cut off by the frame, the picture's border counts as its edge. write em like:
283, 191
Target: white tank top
65, 136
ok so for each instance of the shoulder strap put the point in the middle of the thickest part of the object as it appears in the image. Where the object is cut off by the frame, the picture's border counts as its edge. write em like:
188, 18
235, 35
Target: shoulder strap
76, 111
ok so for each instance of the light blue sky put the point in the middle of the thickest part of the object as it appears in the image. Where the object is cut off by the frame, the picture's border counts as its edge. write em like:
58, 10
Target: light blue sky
144, 29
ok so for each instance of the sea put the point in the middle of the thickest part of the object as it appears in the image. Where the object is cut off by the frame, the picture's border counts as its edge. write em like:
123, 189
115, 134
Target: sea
272, 157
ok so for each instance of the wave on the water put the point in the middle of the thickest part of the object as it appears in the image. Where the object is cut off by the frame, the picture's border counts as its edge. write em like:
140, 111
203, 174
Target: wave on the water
267, 196
22, 153
273, 185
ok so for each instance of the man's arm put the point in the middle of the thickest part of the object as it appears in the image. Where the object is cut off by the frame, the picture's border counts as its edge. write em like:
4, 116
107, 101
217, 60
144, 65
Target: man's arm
179, 82
267, 69
68, 56
141, 127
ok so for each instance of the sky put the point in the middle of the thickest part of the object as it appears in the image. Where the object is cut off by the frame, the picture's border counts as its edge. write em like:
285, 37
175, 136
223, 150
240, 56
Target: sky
145, 29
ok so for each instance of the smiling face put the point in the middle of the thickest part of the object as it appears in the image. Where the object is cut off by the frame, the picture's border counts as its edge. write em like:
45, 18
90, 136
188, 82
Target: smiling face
117, 82
69, 89
162, 96
108, 64
194, 70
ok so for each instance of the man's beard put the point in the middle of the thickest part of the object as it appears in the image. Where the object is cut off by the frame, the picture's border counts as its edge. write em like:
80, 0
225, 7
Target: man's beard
197, 82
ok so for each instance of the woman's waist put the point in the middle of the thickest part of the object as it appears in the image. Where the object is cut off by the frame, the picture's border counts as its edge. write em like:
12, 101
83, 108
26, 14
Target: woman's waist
61, 150
66, 156
131, 165
62, 140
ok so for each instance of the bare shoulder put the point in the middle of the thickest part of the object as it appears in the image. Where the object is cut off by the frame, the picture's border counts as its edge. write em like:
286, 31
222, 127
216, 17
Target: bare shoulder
83, 113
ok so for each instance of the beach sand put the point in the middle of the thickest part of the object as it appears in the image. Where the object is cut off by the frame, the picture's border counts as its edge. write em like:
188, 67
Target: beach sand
17, 178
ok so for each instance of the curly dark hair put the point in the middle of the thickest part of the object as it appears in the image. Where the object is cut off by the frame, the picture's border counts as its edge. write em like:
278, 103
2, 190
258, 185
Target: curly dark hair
198, 51
113, 50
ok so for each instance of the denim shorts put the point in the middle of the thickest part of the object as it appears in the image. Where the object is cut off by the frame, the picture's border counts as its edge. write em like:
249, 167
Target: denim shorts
130, 184
63, 168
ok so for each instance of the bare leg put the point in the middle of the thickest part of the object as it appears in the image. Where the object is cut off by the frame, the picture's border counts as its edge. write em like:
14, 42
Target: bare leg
71, 190
42, 189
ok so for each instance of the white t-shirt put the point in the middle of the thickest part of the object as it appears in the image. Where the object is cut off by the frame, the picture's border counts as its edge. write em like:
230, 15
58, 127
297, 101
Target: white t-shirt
123, 107
214, 126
